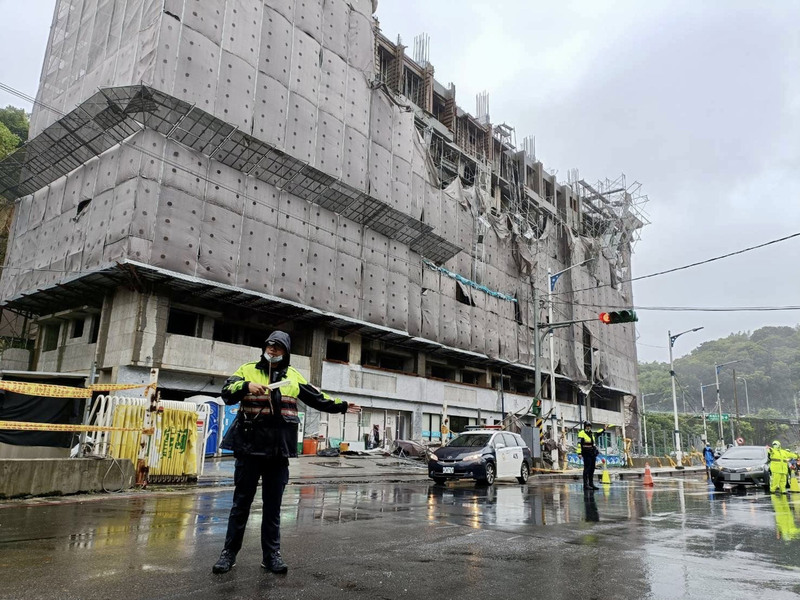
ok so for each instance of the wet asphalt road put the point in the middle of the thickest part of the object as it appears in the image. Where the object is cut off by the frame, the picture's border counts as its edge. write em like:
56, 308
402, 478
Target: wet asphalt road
413, 540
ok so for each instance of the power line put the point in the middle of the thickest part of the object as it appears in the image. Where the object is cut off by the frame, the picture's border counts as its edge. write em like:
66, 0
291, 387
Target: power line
695, 264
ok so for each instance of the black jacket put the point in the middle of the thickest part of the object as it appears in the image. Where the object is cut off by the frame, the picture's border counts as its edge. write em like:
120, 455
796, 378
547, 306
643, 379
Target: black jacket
267, 426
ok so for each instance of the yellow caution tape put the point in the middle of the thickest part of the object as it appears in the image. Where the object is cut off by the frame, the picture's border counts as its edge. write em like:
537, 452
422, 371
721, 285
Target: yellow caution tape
27, 426
44, 389
62, 391
113, 387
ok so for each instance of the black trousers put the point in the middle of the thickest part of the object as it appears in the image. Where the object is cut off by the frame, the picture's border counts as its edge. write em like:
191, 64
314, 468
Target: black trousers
274, 475
588, 468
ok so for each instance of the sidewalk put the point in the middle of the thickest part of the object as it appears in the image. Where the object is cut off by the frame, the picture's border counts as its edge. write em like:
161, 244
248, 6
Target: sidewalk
308, 468
366, 469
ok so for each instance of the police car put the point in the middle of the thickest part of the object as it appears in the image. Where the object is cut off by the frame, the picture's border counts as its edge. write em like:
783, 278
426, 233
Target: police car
484, 455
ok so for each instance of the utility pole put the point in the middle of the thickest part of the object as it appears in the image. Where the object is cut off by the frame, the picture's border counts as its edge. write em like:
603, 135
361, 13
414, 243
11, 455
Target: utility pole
537, 367
644, 424
552, 279
736, 407
719, 400
703, 408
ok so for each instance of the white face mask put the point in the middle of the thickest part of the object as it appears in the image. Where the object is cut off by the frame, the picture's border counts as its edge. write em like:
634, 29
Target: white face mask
272, 359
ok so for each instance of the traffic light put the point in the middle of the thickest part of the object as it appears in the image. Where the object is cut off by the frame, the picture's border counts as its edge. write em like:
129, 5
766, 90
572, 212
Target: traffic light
619, 316
536, 407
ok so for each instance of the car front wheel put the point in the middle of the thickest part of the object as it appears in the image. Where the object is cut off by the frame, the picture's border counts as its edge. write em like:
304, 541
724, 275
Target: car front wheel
438, 480
524, 473
718, 485
491, 475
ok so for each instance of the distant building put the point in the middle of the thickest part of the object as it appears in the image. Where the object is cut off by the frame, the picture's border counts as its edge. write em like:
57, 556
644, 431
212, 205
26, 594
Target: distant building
197, 177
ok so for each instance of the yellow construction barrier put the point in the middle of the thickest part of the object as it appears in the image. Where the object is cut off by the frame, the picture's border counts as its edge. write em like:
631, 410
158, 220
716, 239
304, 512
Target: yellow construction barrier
176, 437
128, 422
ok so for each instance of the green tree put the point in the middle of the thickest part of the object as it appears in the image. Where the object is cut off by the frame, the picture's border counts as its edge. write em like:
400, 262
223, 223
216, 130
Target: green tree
17, 122
8, 141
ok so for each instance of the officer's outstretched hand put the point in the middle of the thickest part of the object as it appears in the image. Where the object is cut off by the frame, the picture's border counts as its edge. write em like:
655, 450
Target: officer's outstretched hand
353, 408
256, 389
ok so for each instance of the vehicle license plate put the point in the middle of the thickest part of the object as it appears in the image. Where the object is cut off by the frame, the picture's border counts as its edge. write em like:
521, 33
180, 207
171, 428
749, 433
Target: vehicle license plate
447, 469
735, 477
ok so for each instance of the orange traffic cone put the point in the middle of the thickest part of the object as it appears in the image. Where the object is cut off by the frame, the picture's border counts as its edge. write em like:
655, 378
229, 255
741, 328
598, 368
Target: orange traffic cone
648, 477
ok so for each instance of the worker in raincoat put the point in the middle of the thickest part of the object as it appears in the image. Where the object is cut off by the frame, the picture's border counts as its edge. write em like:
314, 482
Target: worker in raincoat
778, 467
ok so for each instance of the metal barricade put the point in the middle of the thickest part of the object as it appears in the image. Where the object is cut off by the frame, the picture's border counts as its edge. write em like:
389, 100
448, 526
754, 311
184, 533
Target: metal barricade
180, 434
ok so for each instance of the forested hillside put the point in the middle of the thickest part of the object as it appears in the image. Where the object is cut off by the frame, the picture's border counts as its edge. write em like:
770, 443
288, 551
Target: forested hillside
769, 361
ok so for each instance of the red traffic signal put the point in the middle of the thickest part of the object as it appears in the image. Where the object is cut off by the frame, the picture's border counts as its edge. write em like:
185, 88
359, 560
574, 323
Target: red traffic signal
619, 316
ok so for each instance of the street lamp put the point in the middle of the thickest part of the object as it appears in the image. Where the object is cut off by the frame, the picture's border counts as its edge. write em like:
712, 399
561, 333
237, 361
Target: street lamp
746, 395
703, 408
672, 338
552, 278
719, 400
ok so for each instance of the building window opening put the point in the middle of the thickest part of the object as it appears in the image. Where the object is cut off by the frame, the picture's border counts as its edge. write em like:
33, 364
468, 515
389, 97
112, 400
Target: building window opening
182, 322
338, 351
442, 372
506, 383
459, 424
95, 333
50, 337
439, 108
385, 66
385, 360
473, 377
524, 386
412, 87
77, 328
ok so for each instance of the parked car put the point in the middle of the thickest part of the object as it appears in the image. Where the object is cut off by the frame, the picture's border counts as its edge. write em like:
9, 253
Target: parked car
484, 455
741, 465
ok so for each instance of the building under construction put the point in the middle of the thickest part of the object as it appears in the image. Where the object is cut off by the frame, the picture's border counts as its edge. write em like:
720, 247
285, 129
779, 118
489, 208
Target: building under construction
200, 173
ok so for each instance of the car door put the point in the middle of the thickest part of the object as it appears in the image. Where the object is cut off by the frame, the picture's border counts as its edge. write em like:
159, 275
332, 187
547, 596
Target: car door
502, 452
515, 455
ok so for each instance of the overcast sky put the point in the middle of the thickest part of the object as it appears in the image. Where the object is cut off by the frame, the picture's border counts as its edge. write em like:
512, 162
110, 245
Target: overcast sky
698, 101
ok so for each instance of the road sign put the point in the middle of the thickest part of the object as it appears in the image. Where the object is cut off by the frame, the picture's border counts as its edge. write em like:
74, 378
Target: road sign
715, 417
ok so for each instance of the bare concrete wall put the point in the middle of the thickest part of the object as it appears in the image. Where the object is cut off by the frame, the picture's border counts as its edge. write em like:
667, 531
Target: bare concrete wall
56, 477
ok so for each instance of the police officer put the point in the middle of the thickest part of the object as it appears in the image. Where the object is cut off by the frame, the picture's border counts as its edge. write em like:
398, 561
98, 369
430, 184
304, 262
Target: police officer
588, 447
263, 437
778, 467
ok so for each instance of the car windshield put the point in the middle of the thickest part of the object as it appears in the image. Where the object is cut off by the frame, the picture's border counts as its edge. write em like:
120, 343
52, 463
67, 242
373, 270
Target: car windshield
470, 440
745, 454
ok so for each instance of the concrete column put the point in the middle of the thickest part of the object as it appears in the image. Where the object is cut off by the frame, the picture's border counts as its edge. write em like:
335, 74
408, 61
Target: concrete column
319, 340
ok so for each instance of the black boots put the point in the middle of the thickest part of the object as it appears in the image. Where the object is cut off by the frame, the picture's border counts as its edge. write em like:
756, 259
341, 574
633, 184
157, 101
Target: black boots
226, 562
275, 563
